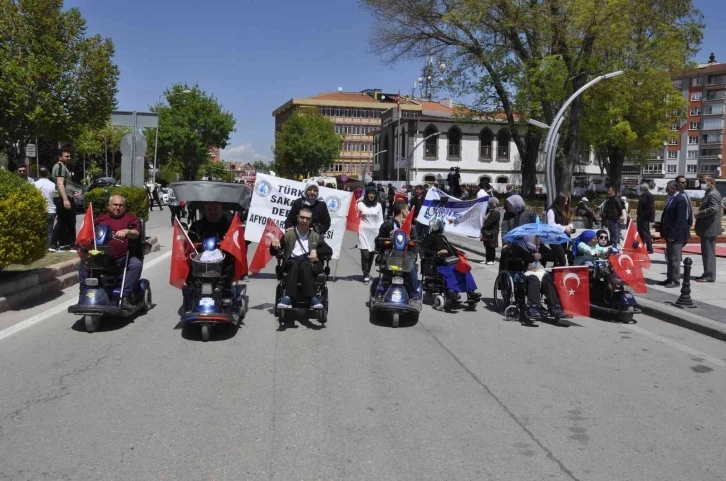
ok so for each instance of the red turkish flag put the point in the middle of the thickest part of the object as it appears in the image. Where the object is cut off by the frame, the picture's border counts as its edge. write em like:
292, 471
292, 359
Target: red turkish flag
400, 196
353, 221
181, 252
86, 236
406, 226
234, 244
639, 253
629, 271
262, 253
573, 288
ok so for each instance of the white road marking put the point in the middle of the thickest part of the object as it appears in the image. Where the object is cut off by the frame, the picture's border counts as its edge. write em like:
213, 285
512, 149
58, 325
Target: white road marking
677, 345
21, 326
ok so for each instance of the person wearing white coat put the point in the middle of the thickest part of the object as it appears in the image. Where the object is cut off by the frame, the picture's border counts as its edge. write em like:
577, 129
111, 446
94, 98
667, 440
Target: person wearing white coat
371, 218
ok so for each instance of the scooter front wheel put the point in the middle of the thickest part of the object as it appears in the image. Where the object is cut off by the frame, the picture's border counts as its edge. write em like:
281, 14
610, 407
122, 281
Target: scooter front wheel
92, 322
206, 328
395, 318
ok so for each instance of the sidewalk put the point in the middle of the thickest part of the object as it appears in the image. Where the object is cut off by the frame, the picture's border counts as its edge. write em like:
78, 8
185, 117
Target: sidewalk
709, 315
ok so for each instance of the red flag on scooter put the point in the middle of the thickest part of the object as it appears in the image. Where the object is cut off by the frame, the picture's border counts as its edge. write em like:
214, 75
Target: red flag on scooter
573, 289
635, 247
629, 271
234, 244
262, 253
353, 221
401, 196
408, 221
181, 251
86, 234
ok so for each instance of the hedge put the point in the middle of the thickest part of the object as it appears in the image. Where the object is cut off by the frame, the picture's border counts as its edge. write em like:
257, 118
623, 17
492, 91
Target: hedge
137, 202
23, 227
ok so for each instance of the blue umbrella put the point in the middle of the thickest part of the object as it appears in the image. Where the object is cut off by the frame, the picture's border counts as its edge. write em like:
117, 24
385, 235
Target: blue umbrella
548, 234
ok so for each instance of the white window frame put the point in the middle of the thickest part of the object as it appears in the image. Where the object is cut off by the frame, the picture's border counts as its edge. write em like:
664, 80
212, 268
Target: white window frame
673, 154
692, 140
677, 84
695, 111
697, 82
671, 168
691, 168
694, 126
696, 96
692, 154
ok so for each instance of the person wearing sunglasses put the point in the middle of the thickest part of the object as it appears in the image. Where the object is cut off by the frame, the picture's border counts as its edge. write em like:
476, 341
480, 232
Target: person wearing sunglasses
590, 246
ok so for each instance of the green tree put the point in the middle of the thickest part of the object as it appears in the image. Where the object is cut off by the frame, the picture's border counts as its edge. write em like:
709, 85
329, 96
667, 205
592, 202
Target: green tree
260, 166
214, 171
306, 144
191, 124
527, 58
54, 80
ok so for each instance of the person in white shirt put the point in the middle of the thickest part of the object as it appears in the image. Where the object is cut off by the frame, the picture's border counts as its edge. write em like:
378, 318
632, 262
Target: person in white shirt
482, 191
47, 187
371, 219
560, 215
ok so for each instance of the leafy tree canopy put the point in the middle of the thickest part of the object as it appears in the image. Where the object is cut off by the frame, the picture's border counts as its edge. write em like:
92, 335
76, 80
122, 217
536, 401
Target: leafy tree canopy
306, 144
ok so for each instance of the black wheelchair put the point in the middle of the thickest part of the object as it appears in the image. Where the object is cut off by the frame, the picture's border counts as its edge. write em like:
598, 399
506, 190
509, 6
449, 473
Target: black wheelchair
321, 291
435, 291
510, 292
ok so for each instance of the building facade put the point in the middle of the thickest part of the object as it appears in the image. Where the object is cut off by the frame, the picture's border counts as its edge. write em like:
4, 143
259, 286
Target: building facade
695, 146
356, 116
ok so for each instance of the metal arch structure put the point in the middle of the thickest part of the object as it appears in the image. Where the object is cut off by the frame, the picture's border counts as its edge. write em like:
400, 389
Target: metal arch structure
553, 137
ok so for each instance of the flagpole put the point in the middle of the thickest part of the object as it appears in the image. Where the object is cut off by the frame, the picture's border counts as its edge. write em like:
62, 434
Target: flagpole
176, 219
90, 206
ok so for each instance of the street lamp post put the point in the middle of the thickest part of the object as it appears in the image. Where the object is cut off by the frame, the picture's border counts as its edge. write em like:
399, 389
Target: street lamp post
410, 156
371, 160
156, 141
553, 138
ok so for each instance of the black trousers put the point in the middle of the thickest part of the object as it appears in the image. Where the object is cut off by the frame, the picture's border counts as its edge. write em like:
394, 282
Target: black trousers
174, 209
366, 260
554, 253
301, 270
65, 227
535, 289
491, 252
644, 233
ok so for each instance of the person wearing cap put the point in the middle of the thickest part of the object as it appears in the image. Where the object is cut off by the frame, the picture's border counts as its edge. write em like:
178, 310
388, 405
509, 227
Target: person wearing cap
645, 216
309, 199
582, 210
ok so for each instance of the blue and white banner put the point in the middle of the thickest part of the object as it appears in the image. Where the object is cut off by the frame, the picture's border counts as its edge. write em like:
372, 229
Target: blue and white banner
462, 217
273, 196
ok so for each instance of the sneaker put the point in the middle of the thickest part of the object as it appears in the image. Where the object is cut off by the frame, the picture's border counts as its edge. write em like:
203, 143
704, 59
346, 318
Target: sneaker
473, 296
52, 249
316, 304
533, 313
557, 312
366, 280
490, 263
285, 303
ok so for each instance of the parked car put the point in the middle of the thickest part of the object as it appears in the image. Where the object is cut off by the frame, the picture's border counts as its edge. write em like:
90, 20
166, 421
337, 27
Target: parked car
164, 196
102, 182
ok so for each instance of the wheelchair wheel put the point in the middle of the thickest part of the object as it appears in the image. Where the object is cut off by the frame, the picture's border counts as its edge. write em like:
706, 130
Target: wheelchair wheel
440, 302
503, 291
322, 316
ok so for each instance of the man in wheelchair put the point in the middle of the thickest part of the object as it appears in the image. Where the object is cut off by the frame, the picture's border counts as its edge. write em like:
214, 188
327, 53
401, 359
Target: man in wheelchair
302, 250
214, 224
538, 282
385, 233
125, 228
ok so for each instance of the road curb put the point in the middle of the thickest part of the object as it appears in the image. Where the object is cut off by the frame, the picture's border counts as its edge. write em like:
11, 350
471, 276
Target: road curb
54, 278
686, 318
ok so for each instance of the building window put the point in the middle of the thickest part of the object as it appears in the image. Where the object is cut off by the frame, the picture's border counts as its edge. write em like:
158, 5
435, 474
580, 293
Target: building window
675, 127
696, 97
695, 111
692, 154
671, 169
485, 179
404, 142
697, 82
630, 169
716, 79
717, 95
714, 109
454, 138
712, 138
694, 126
430, 179
672, 154
673, 141
691, 168
431, 147
713, 124
653, 168
676, 84
503, 147
485, 145
502, 180
692, 139
710, 153
337, 167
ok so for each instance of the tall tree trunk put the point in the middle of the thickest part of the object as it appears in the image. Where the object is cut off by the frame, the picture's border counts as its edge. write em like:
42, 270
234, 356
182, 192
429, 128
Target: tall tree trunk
616, 156
529, 162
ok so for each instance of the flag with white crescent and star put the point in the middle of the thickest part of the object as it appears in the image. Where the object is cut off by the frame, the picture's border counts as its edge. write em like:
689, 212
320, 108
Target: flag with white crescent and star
630, 271
635, 247
573, 288
234, 244
181, 252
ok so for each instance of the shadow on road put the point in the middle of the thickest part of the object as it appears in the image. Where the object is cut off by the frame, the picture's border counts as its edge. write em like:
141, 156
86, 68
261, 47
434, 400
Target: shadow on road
107, 324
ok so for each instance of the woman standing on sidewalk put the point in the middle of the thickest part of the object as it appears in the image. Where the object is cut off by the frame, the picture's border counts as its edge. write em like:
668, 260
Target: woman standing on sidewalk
559, 214
490, 230
371, 218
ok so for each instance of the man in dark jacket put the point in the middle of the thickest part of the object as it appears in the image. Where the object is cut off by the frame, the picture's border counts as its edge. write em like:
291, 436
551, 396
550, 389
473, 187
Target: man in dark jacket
645, 215
708, 227
385, 232
611, 218
676, 231
309, 199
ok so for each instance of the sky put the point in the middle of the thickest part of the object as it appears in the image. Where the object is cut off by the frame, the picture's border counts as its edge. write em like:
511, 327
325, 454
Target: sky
255, 55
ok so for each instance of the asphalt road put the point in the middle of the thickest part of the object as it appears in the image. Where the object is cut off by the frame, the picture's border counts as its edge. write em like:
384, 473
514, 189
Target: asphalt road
455, 396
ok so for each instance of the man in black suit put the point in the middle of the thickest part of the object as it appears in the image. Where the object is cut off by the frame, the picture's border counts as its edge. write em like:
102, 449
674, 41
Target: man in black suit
708, 227
645, 215
676, 231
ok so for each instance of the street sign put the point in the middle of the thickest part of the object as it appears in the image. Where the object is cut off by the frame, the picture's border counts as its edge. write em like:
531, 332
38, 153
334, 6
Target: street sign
30, 150
133, 149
